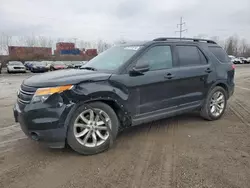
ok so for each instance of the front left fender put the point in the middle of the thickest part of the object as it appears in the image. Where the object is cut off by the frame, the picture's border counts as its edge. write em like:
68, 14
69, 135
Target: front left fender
102, 90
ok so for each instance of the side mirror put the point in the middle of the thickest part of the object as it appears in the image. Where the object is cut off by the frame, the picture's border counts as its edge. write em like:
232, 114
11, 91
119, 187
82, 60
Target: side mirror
139, 69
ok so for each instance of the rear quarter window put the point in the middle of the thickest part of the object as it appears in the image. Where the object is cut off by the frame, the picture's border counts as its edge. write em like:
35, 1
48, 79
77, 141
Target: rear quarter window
220, 54
190, 56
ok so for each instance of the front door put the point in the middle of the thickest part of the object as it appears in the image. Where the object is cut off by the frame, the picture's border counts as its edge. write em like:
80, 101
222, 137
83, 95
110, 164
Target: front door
155, 89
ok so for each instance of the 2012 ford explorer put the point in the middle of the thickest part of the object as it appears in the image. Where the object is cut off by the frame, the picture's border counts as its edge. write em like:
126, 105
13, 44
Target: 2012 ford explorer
125, 86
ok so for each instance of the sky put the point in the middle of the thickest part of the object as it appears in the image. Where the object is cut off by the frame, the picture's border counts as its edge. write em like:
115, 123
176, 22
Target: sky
112, 20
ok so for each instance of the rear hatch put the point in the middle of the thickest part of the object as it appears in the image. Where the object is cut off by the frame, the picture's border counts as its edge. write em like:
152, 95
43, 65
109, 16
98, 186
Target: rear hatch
225, 66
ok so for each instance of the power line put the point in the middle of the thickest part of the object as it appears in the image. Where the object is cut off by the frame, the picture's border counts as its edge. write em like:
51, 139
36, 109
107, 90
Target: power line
180, 25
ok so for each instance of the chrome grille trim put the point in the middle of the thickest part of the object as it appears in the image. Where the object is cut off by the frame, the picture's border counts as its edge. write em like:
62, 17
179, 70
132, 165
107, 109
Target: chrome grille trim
27, 93
23, 101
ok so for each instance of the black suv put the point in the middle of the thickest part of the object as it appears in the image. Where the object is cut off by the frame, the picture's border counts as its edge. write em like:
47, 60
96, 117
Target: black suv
124, 86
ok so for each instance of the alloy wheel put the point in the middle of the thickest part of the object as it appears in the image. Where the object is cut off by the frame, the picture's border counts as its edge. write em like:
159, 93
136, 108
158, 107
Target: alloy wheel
90, 130
217, 103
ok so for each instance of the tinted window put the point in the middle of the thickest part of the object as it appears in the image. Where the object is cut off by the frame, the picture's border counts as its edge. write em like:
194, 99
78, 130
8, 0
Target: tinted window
220, 54
202, 57
190, 55
158, 57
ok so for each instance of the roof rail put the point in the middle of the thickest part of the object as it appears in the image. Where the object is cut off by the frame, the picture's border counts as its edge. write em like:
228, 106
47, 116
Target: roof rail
185, 39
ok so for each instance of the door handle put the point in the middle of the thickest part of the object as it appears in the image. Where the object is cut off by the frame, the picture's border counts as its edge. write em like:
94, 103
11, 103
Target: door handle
208, 70
169, 76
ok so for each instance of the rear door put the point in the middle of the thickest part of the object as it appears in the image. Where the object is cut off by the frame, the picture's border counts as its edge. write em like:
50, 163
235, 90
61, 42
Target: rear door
194, 75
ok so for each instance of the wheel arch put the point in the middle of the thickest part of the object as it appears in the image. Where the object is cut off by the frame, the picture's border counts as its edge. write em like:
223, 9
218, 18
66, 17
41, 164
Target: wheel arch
225, 87
222, 84
113, 95
122, 114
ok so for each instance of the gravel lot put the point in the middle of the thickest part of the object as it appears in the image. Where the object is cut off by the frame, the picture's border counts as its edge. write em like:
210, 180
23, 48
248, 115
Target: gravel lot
183, 151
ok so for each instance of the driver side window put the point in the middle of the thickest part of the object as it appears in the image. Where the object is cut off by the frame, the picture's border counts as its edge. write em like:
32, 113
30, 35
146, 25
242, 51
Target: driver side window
157, 57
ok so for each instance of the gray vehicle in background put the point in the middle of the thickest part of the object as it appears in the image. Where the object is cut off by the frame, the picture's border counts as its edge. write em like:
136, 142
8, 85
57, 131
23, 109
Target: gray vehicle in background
235, 60
243, 59
78, 64
15, 66
248, 60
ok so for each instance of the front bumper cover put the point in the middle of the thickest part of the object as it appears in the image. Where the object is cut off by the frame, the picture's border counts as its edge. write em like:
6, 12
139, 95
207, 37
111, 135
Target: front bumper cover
43, 123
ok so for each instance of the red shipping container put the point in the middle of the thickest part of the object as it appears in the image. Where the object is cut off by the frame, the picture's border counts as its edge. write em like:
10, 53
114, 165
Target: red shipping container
22, 52
91, 52
65, 44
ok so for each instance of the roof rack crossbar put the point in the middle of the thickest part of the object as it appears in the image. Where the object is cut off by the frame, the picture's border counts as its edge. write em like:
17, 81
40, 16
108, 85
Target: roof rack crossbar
184, 39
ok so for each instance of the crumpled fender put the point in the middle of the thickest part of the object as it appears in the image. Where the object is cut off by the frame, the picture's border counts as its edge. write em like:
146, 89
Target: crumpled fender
86, 92
102, 90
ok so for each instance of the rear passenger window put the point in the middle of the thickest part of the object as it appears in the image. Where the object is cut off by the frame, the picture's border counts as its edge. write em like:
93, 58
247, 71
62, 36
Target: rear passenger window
190, 55
220, 54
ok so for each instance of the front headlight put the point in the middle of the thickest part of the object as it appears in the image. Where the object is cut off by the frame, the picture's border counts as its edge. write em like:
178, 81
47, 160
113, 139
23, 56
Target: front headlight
42, 94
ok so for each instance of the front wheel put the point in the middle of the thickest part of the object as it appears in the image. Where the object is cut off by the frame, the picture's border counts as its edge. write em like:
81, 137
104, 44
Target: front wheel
215, 104
87, 132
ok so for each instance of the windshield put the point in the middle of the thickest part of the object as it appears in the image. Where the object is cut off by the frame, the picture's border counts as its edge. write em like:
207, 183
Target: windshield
15, 63
29, 62
112, 58
40, 63
58, 63
76, 62
66, 63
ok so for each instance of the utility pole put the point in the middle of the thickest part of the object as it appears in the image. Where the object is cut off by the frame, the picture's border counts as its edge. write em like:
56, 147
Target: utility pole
180, 25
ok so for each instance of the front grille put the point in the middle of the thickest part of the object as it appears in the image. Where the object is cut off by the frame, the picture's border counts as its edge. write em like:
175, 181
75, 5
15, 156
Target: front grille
18, 68
25, 94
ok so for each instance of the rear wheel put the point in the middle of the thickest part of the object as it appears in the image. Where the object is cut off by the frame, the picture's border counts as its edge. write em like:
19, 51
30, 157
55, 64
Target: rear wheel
215, 104
87, 132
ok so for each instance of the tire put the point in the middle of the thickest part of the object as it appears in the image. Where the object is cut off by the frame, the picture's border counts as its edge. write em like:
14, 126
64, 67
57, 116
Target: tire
206, 111
74, 142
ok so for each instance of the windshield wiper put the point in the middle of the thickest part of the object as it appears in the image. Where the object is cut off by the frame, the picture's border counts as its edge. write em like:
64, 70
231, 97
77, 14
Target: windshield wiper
89, 68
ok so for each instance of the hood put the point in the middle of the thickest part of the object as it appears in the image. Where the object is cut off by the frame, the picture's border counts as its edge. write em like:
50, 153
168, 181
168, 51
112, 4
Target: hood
65, 77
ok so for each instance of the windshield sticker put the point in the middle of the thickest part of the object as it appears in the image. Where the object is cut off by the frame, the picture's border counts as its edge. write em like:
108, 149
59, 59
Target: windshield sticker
132, 48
